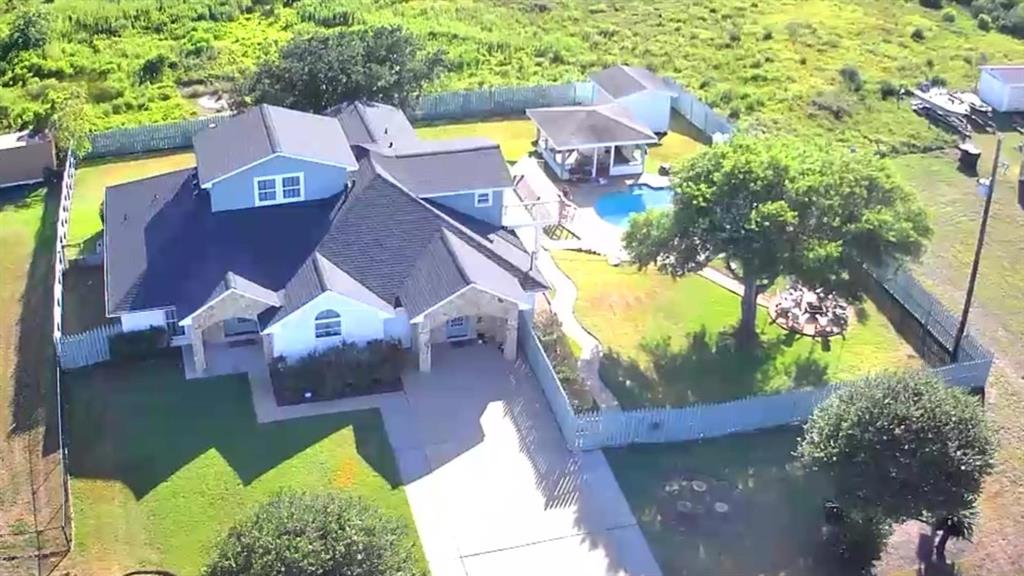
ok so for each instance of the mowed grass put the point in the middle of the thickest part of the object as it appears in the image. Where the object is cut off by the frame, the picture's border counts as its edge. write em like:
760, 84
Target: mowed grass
955, 209
161, 467
514, 135
773, 525
662, 343
94, 176
30, 486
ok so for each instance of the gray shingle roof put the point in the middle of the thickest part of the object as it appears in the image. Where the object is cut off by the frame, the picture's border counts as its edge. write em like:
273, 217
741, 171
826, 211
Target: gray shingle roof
382, 245
373, 123
165, 248
622, 81
244, 139
435, 168
580, 126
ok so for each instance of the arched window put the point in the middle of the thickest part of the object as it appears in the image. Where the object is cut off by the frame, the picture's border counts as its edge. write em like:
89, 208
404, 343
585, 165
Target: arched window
328, 324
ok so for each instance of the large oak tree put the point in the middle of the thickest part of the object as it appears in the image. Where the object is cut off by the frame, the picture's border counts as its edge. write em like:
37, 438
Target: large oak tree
316, 71
779, 207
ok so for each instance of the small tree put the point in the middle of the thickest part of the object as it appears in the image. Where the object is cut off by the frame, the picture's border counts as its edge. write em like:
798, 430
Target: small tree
777, 207
317, 71
903, 446
30, 30
328, 534
66, 114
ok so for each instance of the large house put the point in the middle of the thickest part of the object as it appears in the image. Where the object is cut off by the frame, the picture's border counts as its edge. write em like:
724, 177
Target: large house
303, 231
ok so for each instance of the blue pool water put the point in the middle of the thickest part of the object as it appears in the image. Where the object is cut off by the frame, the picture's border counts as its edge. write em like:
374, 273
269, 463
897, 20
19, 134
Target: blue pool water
617, 207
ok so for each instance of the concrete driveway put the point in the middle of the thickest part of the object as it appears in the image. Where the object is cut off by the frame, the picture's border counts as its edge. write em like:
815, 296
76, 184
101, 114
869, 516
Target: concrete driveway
493, 488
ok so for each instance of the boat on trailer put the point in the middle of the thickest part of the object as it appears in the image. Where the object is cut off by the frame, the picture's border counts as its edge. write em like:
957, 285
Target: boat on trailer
972, 100
942, 101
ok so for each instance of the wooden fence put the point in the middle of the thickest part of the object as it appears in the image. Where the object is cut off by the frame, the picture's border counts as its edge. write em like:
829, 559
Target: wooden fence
700, 114
465, 105
148, 138
87, 348
500, 101
605, 428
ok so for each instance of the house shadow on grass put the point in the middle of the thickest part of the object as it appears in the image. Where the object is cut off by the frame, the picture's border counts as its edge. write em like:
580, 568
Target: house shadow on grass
140, 423
707, 369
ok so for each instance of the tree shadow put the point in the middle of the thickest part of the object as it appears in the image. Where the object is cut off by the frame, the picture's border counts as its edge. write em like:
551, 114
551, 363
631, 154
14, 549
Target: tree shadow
705, 370
140, 423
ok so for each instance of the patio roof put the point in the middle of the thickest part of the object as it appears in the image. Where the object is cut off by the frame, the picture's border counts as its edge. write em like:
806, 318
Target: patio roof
572, 127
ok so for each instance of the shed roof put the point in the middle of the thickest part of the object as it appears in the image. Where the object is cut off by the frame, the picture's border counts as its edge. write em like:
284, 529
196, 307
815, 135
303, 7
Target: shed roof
622, 81
570, 127
1009, 74
233, 143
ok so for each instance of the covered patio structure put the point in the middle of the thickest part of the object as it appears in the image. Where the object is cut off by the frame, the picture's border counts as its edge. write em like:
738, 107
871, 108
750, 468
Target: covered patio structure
591, 142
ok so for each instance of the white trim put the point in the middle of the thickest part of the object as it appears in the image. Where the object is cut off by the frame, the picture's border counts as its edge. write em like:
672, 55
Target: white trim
22, 183
278, 180
187, 320
275, 155
485, 204
419, 317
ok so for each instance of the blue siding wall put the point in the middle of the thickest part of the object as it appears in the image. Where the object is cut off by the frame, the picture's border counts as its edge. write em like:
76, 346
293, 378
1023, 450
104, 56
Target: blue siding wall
465, 203
236, 191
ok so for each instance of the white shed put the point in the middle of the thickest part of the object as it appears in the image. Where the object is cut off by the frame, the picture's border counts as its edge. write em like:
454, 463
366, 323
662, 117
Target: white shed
1002, 87
647, 95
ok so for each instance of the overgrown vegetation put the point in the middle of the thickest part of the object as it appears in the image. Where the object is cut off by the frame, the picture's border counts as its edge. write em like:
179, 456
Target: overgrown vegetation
341, 371
771, 65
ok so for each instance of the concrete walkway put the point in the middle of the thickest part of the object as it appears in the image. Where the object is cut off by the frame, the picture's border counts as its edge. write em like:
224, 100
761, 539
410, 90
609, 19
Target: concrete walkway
590, 349
492, 487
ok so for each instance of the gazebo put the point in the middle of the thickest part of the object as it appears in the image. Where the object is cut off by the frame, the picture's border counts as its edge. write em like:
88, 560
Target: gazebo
590, 142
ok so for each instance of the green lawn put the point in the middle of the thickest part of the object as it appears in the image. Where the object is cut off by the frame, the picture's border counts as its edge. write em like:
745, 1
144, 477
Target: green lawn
661, 339
161, 466
955, 209
93, 178
775, 516
681, 142
513, 134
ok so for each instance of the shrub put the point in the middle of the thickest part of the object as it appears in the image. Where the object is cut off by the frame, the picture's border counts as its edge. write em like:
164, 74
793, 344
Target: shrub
938, 81
984, 22
306, 533
138, 345
933, 4
887, 89
917, 35
851, 77
559, 351
341, 371
949, 15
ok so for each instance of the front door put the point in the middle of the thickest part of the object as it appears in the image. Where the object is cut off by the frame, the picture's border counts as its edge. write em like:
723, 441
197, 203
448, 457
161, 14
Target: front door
457, 328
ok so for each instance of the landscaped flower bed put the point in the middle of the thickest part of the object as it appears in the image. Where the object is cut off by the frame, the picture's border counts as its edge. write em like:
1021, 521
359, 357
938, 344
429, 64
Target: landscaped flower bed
339, 372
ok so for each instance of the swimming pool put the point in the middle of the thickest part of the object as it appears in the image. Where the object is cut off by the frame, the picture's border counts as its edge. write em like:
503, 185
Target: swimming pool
617, 207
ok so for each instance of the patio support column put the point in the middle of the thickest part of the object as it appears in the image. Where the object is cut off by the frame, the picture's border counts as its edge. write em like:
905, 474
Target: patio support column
593, 172
643, 156
198, 352
423, 344
511, 334
611, 161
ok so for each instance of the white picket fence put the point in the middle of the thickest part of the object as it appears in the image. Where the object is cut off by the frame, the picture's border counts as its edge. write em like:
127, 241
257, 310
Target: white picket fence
607, 428
87, 348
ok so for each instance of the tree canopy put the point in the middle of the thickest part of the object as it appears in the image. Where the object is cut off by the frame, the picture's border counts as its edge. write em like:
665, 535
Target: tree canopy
779, 207
328, 534
314, 72
901, 446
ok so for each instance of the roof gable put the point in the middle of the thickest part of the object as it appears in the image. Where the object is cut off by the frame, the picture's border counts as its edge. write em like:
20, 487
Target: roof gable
233, 144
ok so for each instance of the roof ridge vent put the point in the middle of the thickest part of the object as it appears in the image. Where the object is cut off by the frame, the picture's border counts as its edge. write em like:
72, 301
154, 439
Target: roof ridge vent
268, 124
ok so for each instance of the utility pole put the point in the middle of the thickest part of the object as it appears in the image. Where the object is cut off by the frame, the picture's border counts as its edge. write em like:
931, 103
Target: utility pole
958, 339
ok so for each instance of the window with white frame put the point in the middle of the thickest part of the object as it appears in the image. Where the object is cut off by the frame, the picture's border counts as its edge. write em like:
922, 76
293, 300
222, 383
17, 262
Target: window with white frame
327, 324
483, 199
279, 189
171, 320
